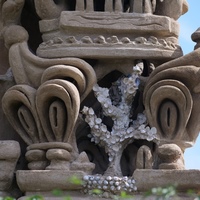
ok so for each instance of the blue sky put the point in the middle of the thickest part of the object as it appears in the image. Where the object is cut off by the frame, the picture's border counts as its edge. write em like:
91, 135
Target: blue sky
189, 24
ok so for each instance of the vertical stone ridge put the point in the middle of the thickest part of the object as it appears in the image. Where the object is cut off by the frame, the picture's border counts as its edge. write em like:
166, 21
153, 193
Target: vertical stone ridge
80, 5
90, 6
118, 6
109, 5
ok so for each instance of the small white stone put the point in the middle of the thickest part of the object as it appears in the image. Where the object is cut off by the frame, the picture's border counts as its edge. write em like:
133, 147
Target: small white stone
119, 188
115, 178
129, 181
115, 147
153, 130
108, 178
85, 109
130, 129
100, 99
127, 185
94, 182
113, 140
98, 121
117, 183
141, 127
96, 126
131, 90
91, 124
143, 131
91, 178
137, 69
112, 188
125, 80
105, 187
95, 88
111, 182
110, 158
105, 105
91, 111
110, 110
105, 182
135, 188
86, 178
104, 128
133, 181
97, 178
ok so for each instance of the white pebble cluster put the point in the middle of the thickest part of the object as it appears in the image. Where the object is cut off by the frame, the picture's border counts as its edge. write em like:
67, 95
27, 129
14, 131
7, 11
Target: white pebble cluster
113, 185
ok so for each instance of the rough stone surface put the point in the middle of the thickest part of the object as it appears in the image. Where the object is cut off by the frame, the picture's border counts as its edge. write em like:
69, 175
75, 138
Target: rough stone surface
169, 152
145, 179
47, 180
9, 155
144, 158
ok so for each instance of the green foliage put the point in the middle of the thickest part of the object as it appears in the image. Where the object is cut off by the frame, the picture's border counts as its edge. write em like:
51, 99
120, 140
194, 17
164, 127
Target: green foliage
75, 180
57, 192
7, 198
35, 197
124, 195
97, 191
67, 198
194, 194
161, 193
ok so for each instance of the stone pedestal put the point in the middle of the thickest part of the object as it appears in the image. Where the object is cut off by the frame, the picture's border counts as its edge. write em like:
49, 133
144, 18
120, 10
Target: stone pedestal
184, 180
34, 181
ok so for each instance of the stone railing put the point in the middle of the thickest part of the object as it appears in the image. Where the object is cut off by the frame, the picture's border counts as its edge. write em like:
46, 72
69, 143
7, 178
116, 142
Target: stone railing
170, 8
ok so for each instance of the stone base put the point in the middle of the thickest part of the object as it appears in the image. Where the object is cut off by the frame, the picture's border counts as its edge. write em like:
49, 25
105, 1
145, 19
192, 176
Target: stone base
45, 181
32, 181
79, 196
184, 180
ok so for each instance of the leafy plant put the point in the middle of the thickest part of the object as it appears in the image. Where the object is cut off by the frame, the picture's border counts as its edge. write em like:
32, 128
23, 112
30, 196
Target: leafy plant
75, 180
7, 198
162, 193
35, 197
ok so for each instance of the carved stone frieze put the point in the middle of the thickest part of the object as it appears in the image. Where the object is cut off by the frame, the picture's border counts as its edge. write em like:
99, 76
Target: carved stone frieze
106, 35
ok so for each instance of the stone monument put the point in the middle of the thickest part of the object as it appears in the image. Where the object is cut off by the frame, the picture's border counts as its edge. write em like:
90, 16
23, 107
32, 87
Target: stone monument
98, 90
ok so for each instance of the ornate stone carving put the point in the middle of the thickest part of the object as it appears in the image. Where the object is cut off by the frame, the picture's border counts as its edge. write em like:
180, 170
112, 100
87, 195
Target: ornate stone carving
171, 97
94, 44
69, 80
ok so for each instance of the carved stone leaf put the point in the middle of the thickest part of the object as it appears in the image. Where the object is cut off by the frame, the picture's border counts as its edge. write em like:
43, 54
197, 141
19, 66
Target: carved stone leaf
19, 106
57, 103
66, 72
168, 106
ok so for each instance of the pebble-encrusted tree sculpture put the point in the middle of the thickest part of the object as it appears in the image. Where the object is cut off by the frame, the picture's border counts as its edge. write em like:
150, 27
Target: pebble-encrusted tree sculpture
124, 129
